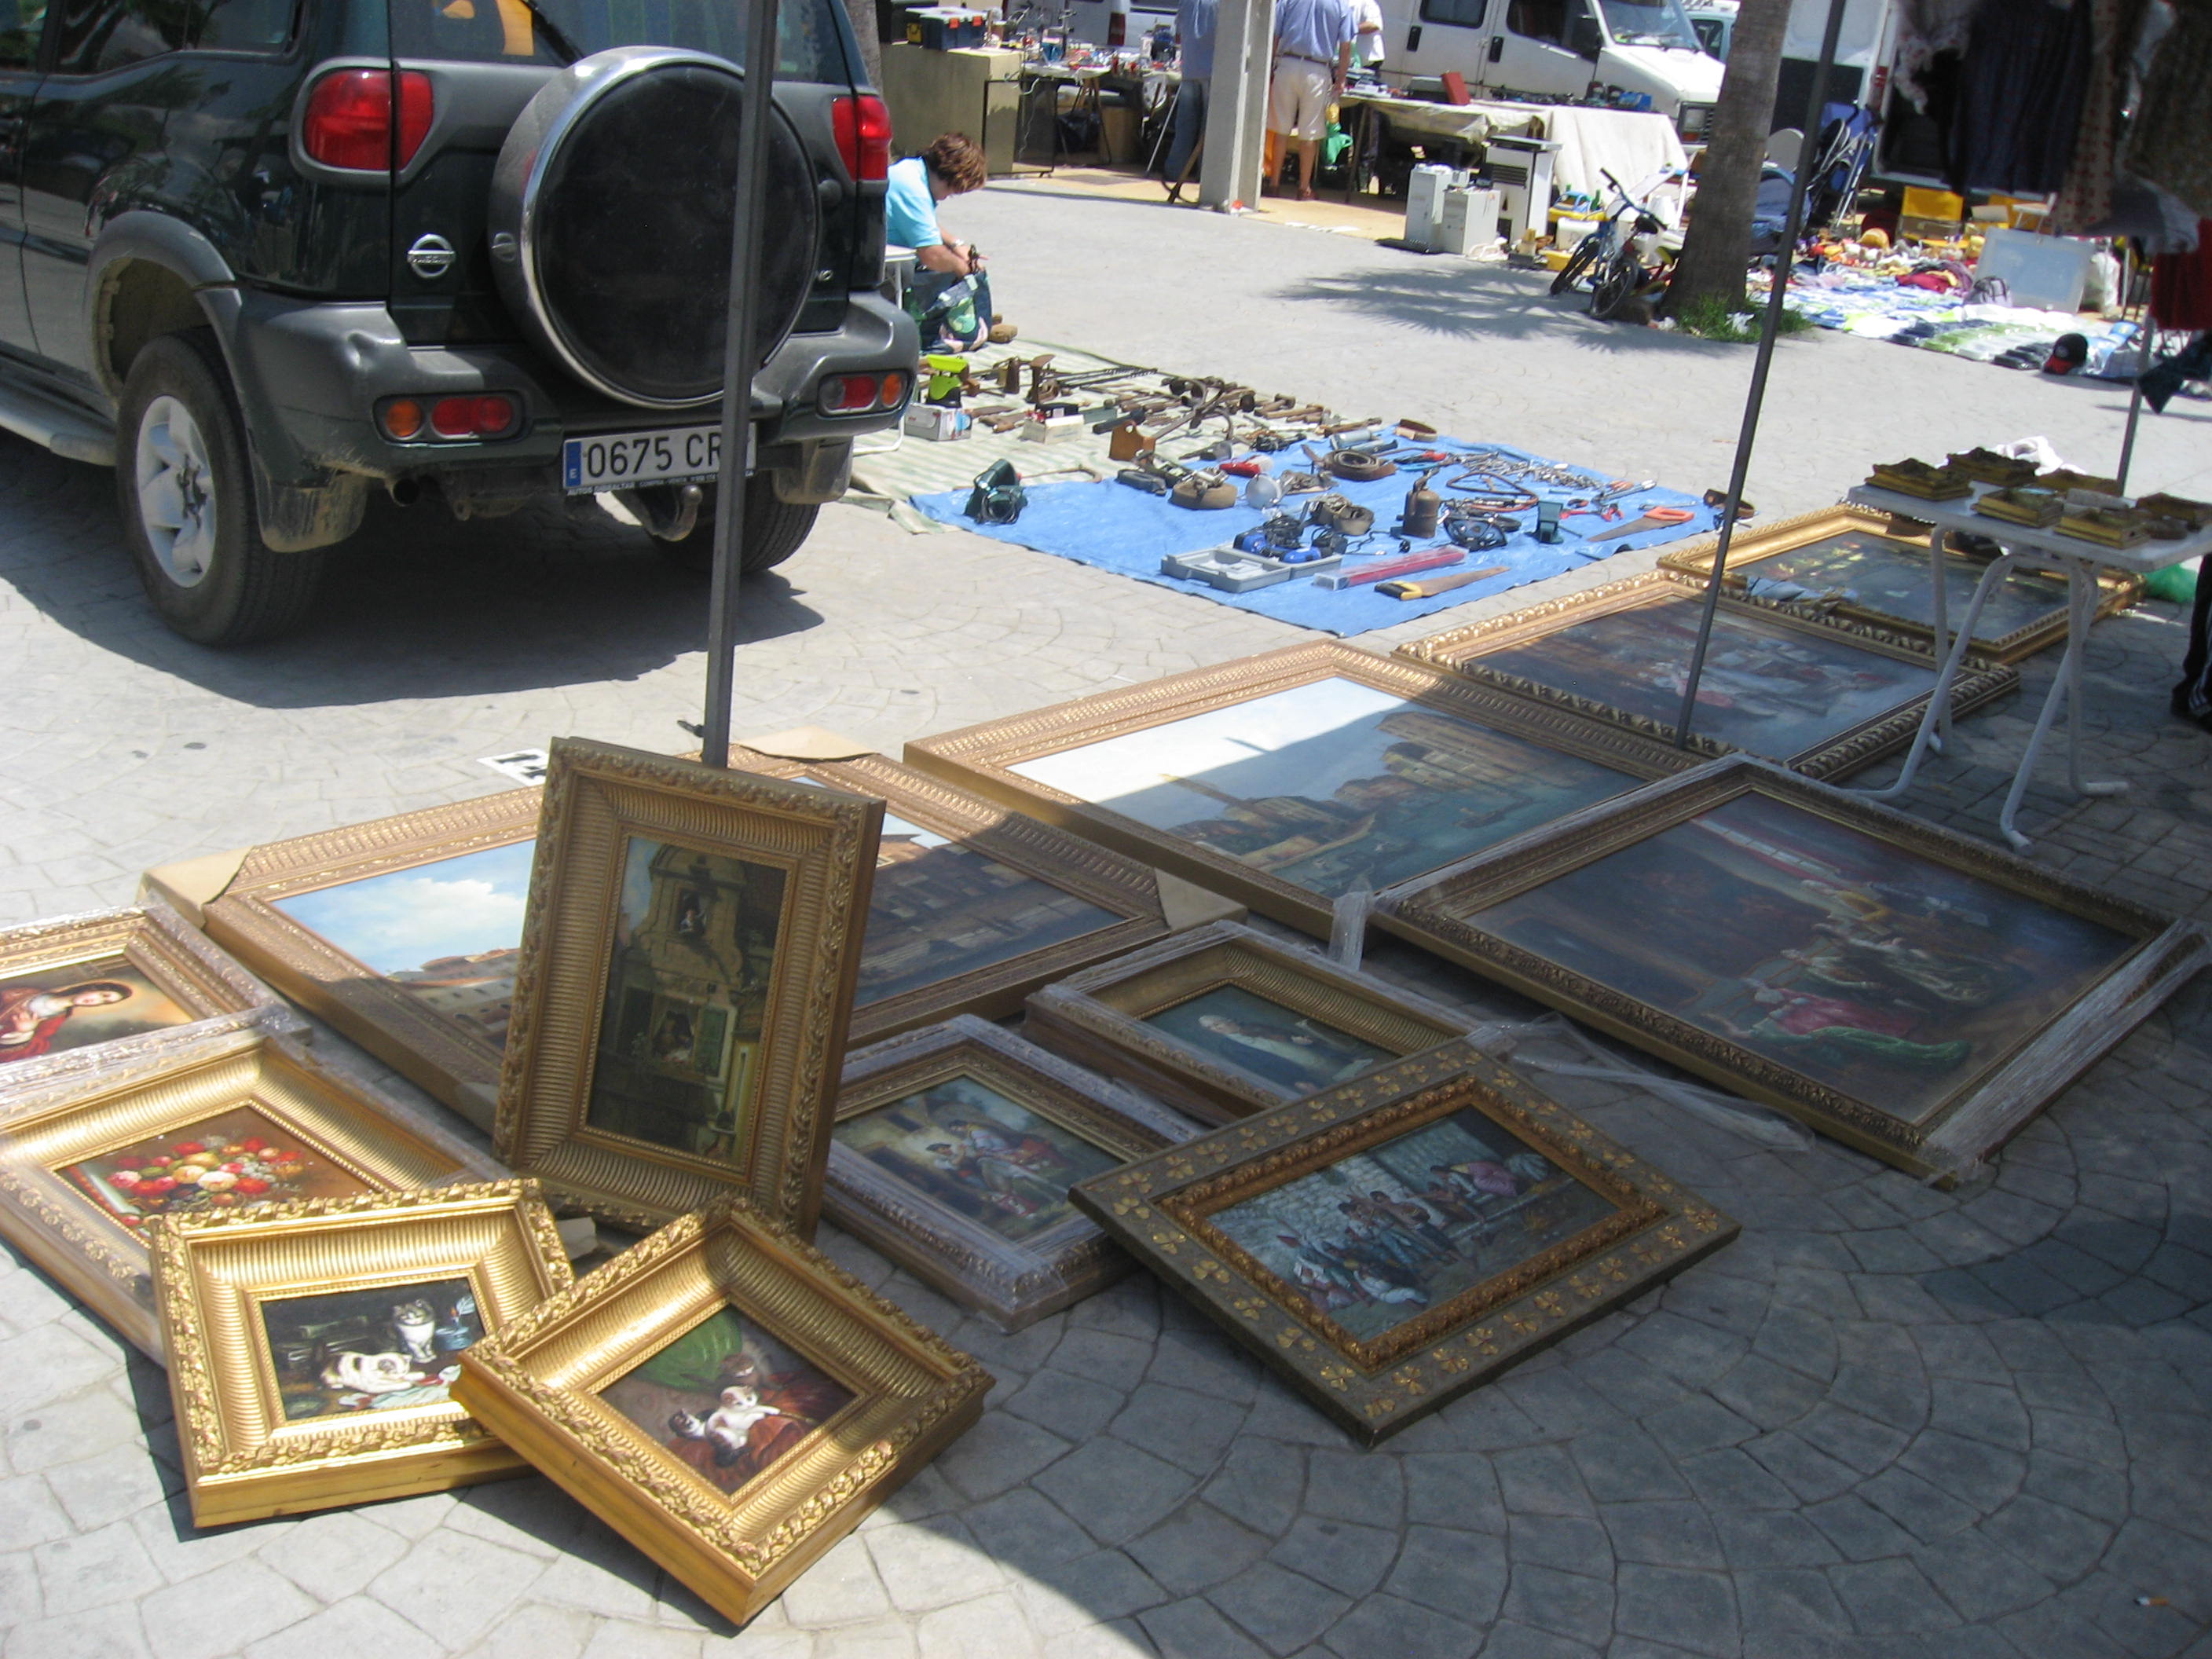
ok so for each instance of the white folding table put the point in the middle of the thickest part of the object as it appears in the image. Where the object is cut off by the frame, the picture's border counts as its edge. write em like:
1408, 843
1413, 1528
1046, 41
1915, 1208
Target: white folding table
2016, 544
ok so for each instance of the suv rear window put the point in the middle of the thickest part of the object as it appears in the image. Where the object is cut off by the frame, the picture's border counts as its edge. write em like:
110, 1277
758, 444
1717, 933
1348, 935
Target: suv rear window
810, 46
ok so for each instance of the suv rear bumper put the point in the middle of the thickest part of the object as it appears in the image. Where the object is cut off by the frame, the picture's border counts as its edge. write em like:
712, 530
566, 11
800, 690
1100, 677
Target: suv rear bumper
309, 374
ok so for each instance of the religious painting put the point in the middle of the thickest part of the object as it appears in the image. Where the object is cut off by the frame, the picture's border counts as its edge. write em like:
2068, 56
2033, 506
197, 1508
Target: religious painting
1823, 699
685, 982
86, 1003
314, 1348
724, 1398
1838, 561
404, 933
1877, 974
446, 933
728, 1399
1223, 1021
1389, 1243
232, 1160
955, 1148
379, 1350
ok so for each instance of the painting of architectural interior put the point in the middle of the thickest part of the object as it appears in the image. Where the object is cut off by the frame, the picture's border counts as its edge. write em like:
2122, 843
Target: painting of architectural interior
1331, 783
941, 909
688, 984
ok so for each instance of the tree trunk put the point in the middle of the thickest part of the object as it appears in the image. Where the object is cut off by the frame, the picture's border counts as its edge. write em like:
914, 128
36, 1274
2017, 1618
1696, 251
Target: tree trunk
863, 14
1716, 250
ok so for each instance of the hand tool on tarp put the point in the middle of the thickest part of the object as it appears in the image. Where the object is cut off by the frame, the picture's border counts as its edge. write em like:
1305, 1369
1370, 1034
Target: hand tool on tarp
1410, 566
1431, 584
1657, 518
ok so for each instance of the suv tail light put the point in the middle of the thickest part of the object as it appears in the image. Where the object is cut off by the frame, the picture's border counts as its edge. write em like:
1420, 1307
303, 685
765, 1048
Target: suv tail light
349, 121
487, 415
856, 394
863, 125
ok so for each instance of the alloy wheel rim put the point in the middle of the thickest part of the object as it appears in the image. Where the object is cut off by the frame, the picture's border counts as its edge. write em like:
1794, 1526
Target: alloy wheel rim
176, 492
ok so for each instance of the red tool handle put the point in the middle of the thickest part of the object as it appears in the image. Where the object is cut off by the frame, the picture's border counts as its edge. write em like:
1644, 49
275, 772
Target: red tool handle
1405, 567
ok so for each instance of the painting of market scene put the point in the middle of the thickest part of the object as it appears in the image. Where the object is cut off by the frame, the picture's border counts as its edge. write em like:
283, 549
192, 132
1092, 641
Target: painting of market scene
1329, 784
1877, 972
688, 984
1384, 1235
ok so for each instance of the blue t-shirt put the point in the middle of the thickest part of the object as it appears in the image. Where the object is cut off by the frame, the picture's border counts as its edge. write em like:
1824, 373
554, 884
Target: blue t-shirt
1313, 28
909, 210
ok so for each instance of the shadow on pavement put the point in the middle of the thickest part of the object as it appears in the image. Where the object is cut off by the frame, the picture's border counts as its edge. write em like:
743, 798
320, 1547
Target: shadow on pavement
417, 605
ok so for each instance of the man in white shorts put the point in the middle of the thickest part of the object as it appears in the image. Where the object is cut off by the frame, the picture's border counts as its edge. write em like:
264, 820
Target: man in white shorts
1313, 53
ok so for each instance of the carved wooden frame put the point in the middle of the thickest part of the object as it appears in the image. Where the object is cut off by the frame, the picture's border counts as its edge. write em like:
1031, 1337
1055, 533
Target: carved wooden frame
1461, 650
1099, 1018
432, 1051
823, 840
1952, 1134
1694, 562
243, 1460
1011, 1285
219, 993
536, 1384
981, 757
1159, 1209
385, 1144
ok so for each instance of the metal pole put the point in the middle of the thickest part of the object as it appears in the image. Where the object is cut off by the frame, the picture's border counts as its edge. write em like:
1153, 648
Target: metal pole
2127, 440
1786, 260
747, 206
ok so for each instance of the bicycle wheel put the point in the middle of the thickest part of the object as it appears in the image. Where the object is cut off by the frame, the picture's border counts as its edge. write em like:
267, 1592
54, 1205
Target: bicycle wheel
1619, 280
1583, 257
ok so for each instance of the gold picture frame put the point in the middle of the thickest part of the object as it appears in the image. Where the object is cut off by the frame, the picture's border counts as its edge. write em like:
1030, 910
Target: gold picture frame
1380, 1306
872, 1395
274, 1414
684, 985
1909, 991
1454, 764
175, 990
984, 1217
1223, 1022
1835, 695
436, 895
63, 1150
1901, 602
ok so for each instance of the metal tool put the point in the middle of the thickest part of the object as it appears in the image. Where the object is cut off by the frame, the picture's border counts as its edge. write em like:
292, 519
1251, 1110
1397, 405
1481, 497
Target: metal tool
1657, 518
1389, 568
1429, 585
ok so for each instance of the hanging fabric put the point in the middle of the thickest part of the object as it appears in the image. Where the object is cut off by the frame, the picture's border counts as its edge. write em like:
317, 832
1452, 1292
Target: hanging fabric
2087, 198
2181, 285
2170, 142
2022, 87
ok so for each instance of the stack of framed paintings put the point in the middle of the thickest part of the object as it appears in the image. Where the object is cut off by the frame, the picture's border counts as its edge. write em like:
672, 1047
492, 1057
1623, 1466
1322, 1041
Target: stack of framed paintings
1223, 1022
1391, 1242
954, 1150
1911, 992
88, 993
313, 1347
1286, 780
1844, 561
725, 1397
1822, 698
228, 1125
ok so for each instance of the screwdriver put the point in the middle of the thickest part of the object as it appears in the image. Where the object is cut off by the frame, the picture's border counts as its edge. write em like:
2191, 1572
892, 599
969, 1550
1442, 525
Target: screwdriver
1428, 584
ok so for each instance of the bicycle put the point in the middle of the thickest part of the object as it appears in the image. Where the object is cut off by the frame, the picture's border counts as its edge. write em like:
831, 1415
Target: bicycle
1613, 260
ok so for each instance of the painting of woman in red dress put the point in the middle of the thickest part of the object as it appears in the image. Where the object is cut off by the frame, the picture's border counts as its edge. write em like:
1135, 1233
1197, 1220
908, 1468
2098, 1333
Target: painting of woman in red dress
31, 1018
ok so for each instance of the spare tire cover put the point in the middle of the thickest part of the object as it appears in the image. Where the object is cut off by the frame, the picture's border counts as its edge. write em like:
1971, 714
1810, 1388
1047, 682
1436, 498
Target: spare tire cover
610, 222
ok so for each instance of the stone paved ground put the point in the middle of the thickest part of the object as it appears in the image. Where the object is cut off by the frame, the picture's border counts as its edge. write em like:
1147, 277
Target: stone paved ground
1888, 1422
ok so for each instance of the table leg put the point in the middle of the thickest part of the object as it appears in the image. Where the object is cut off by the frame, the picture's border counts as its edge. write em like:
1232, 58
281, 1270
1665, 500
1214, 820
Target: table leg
2066, 686
1938, 598
1939, 699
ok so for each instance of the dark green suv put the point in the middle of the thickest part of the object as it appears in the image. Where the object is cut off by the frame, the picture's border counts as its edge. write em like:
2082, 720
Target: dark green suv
261, 256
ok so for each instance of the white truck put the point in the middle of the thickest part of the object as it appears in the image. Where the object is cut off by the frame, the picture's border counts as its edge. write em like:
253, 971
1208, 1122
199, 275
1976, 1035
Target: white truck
1558, 49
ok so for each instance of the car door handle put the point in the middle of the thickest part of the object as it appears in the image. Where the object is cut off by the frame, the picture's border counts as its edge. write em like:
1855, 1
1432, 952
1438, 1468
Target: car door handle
1497, 47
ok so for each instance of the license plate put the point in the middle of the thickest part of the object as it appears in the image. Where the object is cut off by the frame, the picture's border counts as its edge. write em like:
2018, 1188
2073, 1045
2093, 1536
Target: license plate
618, 460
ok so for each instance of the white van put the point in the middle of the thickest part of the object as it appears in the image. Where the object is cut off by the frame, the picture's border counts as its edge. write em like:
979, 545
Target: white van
1715, 22
1559, 48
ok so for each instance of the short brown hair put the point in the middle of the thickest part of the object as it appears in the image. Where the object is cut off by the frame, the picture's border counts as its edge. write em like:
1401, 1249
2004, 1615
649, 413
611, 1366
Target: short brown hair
958, 159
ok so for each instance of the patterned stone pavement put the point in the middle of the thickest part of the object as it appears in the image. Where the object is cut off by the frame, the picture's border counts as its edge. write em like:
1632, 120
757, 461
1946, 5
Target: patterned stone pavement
1888, 1422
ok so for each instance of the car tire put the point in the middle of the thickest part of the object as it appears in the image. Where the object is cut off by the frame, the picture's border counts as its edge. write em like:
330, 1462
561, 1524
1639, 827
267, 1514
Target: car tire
775, 530
185, 491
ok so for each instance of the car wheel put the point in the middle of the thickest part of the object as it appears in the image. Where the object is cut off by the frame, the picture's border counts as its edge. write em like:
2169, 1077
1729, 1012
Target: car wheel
775, 530
187, 498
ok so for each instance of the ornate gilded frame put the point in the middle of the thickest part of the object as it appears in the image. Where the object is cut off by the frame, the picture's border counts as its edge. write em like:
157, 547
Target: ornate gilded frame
1693, 561
1099, 1018
1010, 1283
823, 840
1952, 1135
537, 1387
460, 1066
1160, 1211
243, 1459
381, 1142
154, 939
1461, 650
1122, 886
982, 757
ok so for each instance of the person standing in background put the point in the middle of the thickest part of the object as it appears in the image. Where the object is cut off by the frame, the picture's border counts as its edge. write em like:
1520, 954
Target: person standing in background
1194, 21
1367, 40
1313, 54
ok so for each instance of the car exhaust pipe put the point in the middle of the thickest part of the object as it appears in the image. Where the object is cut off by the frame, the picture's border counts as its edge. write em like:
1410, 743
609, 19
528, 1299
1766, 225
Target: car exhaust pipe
668, 515
405, 492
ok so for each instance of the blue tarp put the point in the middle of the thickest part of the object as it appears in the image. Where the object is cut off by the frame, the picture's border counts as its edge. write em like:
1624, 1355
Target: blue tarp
1117, 528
